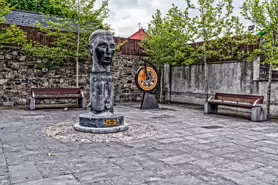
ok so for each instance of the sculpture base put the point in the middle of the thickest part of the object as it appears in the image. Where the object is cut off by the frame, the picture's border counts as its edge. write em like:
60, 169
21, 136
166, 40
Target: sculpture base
100, 124
106, 130
149, 101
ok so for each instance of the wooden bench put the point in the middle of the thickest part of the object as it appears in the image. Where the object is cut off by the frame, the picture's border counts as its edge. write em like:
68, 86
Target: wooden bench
252, 102
57, 93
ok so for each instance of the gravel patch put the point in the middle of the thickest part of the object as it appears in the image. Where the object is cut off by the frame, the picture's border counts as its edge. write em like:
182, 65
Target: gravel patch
64, 131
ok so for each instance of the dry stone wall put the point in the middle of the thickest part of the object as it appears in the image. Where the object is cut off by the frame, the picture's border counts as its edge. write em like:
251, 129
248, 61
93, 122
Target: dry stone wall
19, 73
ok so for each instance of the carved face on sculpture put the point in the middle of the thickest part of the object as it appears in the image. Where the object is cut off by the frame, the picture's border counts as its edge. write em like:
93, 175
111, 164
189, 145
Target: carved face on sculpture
102, 47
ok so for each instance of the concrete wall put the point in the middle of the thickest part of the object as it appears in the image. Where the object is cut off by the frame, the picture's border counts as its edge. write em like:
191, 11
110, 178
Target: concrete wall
19, 73
186, 84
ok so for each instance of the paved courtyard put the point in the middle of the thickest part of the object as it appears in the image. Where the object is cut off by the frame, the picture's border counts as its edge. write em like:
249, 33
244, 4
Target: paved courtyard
188, 148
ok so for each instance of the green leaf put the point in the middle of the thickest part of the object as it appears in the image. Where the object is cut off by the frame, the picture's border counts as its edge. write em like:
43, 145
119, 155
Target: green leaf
261, 33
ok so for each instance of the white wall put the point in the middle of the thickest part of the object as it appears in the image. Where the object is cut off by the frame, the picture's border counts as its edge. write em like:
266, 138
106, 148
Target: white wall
186, 84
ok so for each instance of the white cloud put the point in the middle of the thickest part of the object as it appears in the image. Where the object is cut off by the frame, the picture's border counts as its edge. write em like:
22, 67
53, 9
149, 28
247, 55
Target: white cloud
125, 15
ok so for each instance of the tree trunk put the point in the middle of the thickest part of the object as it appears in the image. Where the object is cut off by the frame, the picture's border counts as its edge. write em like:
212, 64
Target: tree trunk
161, 85
269, 91
206, 78
270, 80
77, 50
77, 57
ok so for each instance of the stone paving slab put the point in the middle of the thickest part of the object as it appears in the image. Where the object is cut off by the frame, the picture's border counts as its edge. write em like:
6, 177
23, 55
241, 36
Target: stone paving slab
178, 159
2, 160
24, 172
4, 176
188, 147
51, 168
60, 180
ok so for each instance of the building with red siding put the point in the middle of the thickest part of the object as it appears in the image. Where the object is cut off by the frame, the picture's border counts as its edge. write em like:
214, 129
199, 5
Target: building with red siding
139, 35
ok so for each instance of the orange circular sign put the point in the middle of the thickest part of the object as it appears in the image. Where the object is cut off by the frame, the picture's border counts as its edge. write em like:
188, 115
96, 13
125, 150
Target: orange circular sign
146, 82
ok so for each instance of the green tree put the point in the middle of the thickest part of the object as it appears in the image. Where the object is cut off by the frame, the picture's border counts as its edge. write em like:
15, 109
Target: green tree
70, 32
179, 38
217, 28
40, 6
264, 14
4, 10
12, 35
168, 37
167, 40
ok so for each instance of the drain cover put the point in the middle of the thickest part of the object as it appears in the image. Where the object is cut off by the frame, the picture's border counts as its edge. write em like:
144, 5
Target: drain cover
212, 127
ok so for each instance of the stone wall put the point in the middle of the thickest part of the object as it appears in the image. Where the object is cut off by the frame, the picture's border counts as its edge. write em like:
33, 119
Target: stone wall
19, 73
187, 84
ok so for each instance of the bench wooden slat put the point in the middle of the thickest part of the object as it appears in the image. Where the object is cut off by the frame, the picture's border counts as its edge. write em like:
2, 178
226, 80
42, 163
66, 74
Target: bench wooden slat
54, 89
57, 97
57, 92
230, 104
239, 98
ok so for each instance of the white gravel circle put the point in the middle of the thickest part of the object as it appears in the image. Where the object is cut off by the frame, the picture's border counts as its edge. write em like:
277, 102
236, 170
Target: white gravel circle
65, 131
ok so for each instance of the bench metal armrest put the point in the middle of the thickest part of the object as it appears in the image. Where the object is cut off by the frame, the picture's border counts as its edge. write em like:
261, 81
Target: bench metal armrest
82, 93
210, 98
255, 103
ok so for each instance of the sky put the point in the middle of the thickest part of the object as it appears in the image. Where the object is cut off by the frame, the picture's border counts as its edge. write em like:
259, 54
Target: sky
125, 15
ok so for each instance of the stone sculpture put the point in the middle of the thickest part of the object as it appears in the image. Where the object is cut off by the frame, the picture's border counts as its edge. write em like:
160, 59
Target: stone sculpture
102, 48
101, 118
